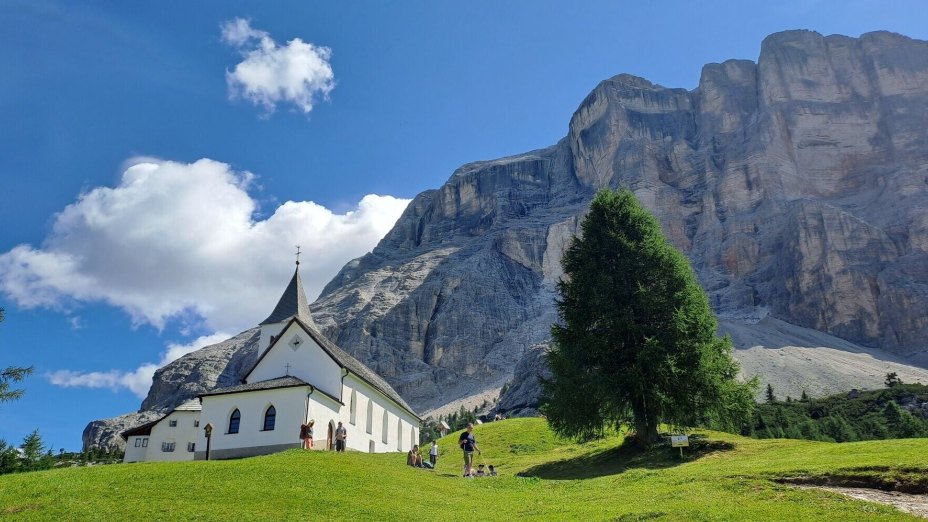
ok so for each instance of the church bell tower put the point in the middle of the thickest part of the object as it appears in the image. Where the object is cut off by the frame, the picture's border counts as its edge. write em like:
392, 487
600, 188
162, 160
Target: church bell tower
292, 303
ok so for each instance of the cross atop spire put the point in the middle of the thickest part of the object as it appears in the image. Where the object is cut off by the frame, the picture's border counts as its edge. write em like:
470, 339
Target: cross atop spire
298, 255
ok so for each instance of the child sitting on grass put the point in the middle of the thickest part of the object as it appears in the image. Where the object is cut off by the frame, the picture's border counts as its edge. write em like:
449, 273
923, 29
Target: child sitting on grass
492, 471
480, 471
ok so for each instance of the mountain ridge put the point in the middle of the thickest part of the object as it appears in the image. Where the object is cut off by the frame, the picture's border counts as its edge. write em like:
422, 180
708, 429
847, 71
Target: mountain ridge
795, 185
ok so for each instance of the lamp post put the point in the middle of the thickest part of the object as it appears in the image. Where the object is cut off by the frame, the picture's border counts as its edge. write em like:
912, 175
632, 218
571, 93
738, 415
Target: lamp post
208, 429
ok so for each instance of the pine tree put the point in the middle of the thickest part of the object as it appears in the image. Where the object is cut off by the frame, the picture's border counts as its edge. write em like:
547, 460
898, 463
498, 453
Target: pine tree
9, 458
636, 341
838, 428
771, 398
804, 397
33, 457
900, 423
10, 375
892, 379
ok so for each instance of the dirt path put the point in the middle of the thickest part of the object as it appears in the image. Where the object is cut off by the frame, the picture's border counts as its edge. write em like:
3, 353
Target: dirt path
915, 504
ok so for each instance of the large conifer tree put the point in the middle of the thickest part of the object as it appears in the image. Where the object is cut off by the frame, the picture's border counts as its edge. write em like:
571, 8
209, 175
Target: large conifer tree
636, 341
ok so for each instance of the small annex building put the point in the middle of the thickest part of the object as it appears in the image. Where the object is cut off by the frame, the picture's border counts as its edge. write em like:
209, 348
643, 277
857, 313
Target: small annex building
175, 436
299, 375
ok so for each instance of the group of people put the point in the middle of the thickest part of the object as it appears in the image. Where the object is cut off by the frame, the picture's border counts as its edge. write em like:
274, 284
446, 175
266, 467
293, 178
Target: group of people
466, 441
468, 444
414, 457
306, 435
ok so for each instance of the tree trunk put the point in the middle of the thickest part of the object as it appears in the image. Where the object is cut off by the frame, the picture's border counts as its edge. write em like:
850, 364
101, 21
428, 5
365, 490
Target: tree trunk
645, 425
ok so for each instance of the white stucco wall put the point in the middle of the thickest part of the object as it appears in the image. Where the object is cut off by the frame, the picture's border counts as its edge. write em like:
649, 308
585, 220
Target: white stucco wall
358, 437
268, 330
295, 406
136, 453
182, 434
290, 405
308, 362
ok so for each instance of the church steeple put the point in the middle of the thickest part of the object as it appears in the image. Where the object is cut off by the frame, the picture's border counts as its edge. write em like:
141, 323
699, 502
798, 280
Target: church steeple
293, 301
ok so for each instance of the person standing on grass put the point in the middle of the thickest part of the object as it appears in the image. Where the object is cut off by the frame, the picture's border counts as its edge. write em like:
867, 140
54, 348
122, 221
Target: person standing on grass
306, 434
341, 434
468, 443
433, 454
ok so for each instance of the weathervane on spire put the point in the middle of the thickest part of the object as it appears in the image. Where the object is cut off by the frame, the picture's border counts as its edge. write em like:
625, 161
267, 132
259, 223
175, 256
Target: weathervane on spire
298, 255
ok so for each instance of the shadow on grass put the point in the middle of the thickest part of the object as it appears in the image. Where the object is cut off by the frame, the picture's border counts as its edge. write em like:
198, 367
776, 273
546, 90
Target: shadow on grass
614, 461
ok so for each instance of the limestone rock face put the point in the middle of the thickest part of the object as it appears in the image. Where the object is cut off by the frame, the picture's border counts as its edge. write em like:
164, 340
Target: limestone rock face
215, 366
790, 358
106, 433
521, 398
797, 186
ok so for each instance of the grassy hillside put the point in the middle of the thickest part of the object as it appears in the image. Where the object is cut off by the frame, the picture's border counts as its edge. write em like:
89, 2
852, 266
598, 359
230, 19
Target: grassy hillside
731, 480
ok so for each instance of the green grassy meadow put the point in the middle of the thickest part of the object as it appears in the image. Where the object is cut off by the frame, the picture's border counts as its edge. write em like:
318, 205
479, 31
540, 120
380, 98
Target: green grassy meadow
732, 479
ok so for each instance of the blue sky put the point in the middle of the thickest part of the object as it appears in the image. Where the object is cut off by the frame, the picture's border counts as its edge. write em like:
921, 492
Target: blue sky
152, 186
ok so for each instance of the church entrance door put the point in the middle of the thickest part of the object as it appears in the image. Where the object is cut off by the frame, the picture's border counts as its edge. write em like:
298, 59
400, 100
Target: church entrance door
330, 437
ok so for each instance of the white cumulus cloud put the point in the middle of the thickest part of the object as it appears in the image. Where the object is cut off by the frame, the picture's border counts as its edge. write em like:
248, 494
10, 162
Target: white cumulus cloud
297, 72
180, 241
137, 381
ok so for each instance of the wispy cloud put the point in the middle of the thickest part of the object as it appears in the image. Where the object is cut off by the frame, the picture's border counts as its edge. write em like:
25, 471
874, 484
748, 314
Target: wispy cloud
137, 381
297, 72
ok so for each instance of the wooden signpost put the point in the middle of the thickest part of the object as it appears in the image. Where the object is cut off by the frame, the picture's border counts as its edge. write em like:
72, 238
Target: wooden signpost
208, 430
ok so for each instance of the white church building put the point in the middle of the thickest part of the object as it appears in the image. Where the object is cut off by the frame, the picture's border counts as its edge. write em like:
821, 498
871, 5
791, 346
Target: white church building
299, 376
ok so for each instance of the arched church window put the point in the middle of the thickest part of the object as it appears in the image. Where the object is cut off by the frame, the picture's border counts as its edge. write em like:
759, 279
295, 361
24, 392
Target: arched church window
270, 418
399, 434
370, 416
386, 427
354, 407
234, 420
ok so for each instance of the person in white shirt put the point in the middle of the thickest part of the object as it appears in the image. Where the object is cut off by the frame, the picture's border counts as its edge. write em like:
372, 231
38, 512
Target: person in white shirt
433, 454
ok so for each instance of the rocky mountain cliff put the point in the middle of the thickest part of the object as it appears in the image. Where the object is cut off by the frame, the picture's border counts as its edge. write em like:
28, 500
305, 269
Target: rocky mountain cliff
797, 186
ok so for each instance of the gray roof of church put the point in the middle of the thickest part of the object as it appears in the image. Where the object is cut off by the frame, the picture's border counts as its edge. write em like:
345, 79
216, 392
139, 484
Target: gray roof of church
145, 429
343, 359
292, 303
280, 382
191, 405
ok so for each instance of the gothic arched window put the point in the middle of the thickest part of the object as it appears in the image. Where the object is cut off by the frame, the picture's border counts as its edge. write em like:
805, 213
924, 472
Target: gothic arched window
370, 416
354, 407
234, 420
386, 427
270, 417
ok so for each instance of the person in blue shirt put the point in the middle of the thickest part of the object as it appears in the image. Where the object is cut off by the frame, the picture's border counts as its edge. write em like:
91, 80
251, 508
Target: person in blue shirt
468, 443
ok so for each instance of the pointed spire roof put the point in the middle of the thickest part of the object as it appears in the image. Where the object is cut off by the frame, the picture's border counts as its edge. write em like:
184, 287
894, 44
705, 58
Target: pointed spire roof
292, 303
